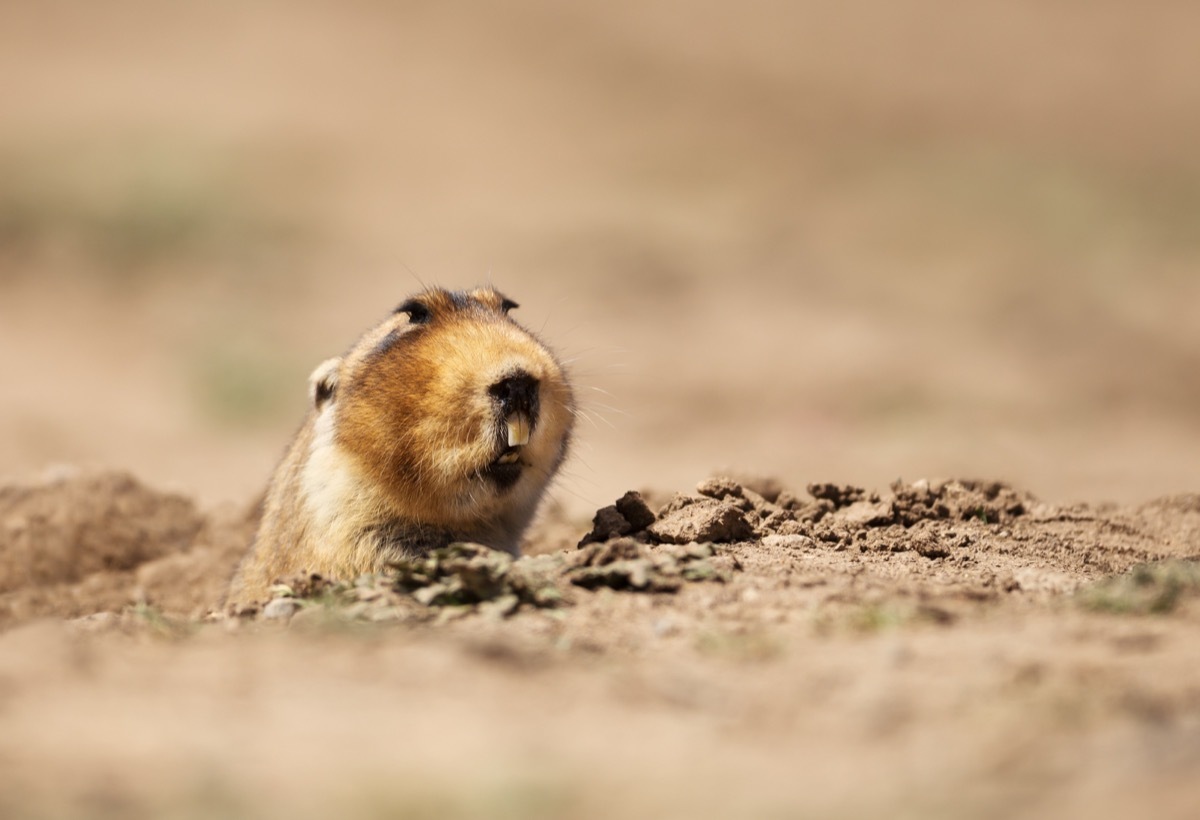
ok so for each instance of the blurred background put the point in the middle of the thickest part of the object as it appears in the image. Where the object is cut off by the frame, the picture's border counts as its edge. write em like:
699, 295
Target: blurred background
838, 241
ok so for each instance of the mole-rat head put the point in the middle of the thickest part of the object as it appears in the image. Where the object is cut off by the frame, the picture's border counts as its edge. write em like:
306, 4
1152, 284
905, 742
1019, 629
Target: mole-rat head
450, 401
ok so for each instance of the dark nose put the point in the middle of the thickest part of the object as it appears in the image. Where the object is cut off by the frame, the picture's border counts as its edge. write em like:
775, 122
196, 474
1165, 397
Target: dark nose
517, 393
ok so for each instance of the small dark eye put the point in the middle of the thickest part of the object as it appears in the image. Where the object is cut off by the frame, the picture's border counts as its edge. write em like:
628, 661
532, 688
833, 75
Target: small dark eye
418, 313
508, 304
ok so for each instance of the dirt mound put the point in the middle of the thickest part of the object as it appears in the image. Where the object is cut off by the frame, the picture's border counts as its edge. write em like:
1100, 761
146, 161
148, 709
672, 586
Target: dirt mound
66, 529
78, 543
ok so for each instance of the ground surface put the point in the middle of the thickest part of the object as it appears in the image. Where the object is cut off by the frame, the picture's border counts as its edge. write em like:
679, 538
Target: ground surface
821, 240
935, 649
829, 241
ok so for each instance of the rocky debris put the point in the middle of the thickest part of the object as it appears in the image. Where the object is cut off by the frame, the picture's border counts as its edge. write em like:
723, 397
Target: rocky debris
280, 609
607, 523
768, 487
989, 502
717, 515
628, 516
789, 542
1146, 589
687, 520
934, 519
838, 495
472, 577
867, 514
778, 512
724, 510
626, 564
634, 509
462, 574
908, 504
722, 488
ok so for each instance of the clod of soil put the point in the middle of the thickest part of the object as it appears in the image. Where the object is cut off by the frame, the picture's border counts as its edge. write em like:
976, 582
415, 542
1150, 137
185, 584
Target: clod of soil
686, 520
629, 515
626, 564
464, 574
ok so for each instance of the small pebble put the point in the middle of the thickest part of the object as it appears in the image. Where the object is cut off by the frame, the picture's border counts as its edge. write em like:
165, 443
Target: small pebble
280, 609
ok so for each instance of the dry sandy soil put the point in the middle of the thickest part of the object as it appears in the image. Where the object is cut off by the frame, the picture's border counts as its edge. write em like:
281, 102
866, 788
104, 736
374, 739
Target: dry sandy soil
936, 649
850, 242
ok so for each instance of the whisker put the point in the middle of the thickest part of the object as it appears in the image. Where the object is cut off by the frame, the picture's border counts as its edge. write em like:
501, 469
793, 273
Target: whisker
612, 409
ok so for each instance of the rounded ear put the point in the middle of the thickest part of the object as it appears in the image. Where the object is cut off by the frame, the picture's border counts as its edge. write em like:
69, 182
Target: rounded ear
322, 384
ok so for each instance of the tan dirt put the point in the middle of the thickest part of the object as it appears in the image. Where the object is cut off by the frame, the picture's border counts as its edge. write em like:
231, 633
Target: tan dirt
932, 649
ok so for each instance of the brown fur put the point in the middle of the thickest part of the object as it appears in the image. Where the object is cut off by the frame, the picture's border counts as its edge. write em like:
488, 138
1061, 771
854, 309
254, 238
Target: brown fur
397, 453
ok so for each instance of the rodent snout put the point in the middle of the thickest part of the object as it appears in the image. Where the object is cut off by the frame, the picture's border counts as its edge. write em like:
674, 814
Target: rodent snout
517, 393
517, 397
